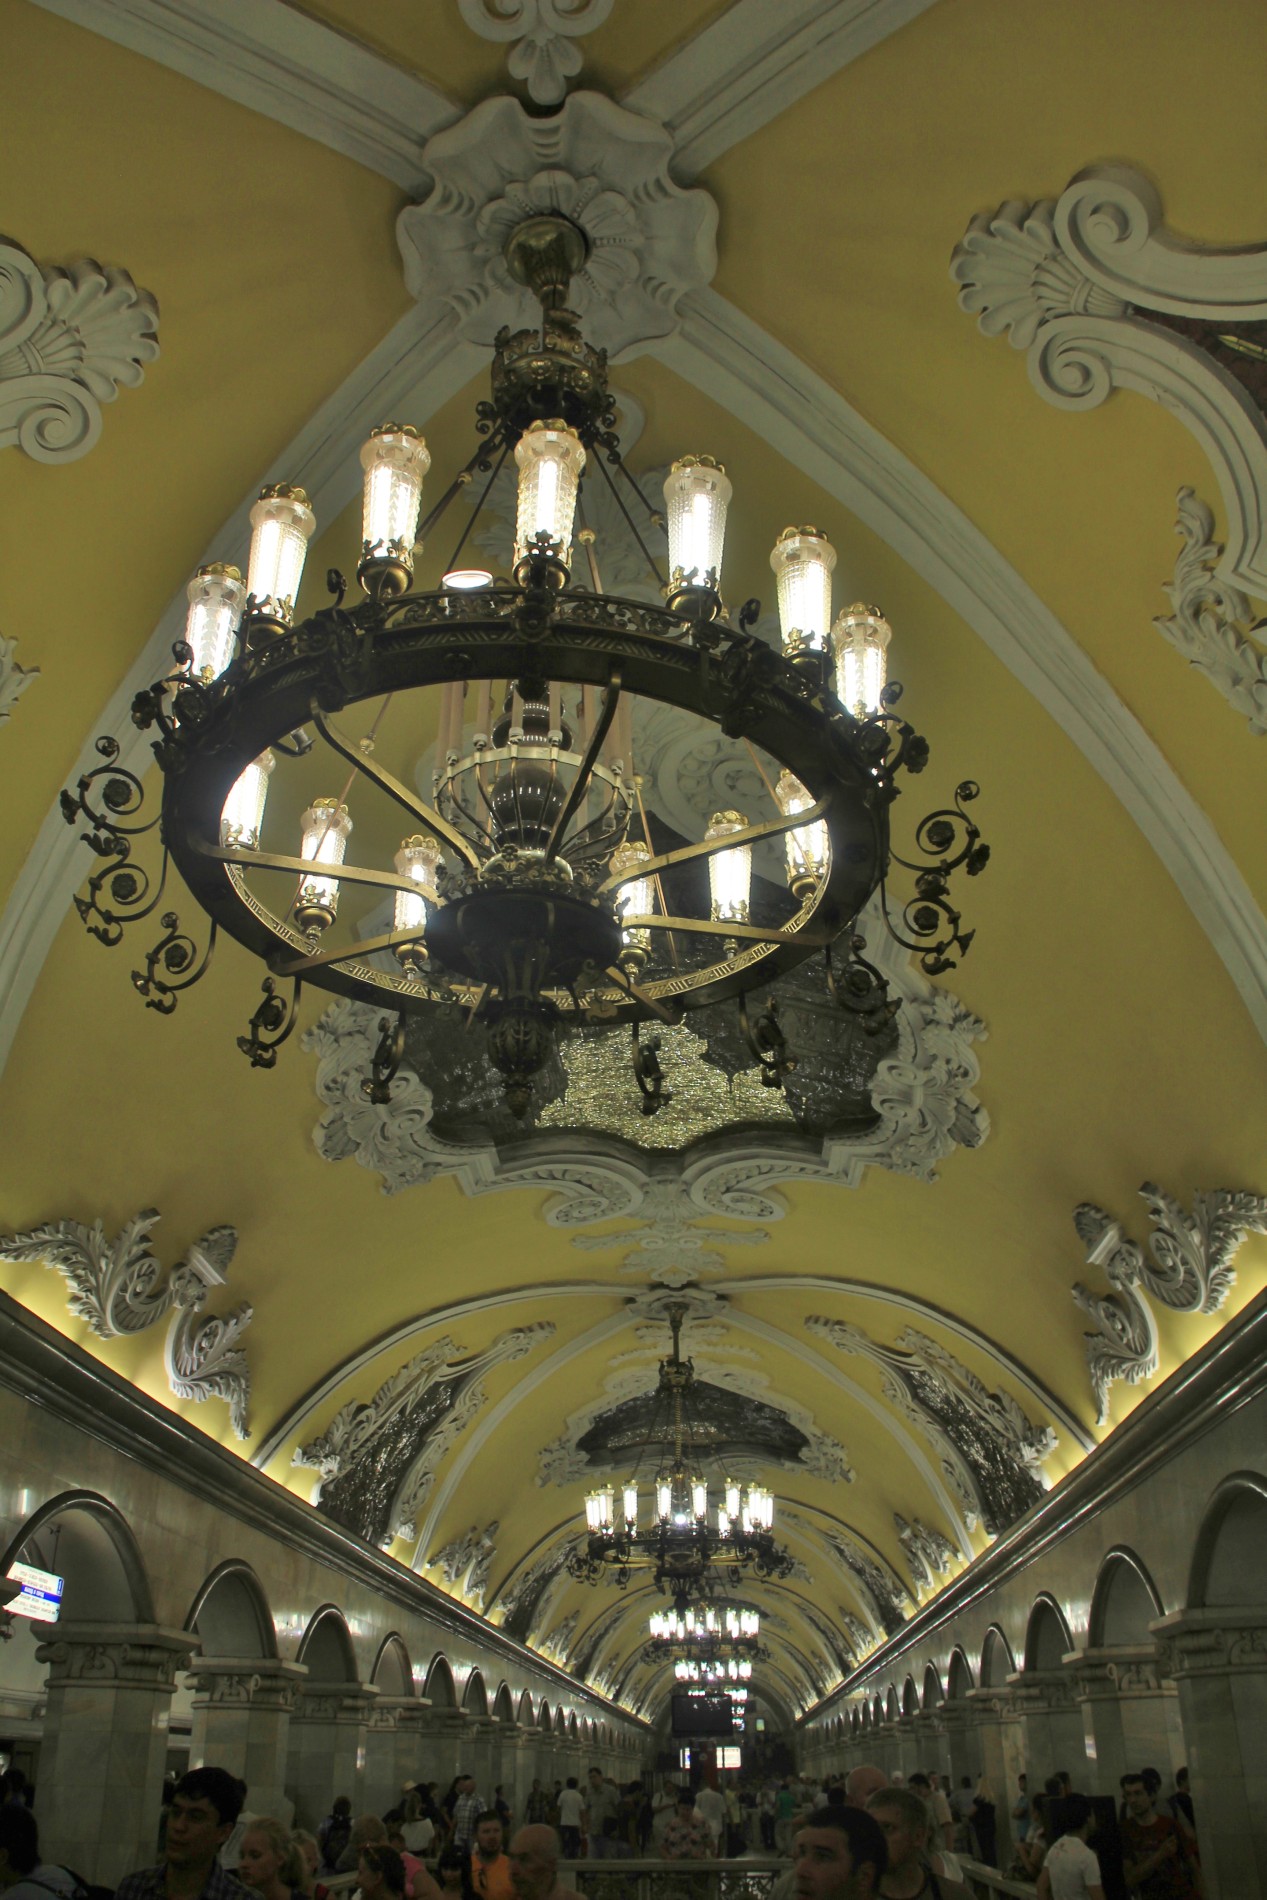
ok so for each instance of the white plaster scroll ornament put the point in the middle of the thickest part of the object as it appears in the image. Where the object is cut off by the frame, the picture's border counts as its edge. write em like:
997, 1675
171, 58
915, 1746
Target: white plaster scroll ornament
117, 1287
543, 55
14, 679
929, 1554
1072, 282
465, 1562
650, 242
1189, 1267
68, 339
1213, 625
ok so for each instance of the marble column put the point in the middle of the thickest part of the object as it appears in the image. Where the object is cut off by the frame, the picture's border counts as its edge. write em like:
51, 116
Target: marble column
1130, 1715
999, 1745
1052, 1722
932, 1753
241, 1721
962, 1742
393, 1732
412, 1715
327, 1751
443, 1745
909, 1743
1217, 1659
482, 1735
104, 1750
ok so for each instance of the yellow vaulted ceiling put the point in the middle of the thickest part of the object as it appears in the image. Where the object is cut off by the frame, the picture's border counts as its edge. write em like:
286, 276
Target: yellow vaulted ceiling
1118, 1047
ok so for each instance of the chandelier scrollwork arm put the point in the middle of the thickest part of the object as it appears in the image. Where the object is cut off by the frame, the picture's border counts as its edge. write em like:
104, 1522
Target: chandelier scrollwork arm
172, 965
271, 1023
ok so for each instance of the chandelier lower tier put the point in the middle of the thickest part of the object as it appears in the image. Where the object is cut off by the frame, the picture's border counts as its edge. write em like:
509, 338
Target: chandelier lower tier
532, 892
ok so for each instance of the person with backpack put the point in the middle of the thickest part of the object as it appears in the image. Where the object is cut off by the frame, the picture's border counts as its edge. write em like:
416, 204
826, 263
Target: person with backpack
335, 1832
22, 1872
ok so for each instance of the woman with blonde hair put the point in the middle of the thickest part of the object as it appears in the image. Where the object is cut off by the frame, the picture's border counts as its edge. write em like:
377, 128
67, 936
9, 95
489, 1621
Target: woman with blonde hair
269, 1862
308, 1847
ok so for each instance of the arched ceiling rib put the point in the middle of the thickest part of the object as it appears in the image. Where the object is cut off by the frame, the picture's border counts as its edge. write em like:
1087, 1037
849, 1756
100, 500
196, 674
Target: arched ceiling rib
1121, 959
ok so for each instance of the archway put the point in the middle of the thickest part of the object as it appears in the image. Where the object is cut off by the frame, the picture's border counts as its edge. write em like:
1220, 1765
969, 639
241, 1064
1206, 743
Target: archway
1047, 1636
475, 1695
230, 1614
1123, 1603
933, 1691
997, 1662
440, 1688
326, 1648
1227, 1561
393, 1674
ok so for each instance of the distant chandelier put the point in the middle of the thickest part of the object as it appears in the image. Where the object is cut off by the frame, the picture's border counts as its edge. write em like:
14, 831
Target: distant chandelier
528, 893
689, 1669
709, 1625
685, 1535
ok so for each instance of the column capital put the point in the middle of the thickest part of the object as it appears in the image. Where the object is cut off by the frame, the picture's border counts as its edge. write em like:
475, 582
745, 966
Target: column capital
260, 1682
117, 1656
341, 1702
1213, 1642
1123, 1669
992, 1704
1037, 1690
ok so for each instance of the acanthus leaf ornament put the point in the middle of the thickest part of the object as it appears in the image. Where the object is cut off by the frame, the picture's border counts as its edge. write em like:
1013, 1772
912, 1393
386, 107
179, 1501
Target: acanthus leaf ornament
1192, 1270
69, 338
930, 1554
1213, 625
117, 1287
543, 55
1087, 284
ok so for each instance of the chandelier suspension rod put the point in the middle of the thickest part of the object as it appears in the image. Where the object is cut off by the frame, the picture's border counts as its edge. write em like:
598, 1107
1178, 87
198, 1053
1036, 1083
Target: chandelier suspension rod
580, 785
649, 557
387, 782
461, 480
655, 875
477, 510
751, 834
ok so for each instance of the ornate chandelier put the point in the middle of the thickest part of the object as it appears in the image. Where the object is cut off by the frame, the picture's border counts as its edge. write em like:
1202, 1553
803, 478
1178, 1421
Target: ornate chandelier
685, 1530
532, 892
707, 1626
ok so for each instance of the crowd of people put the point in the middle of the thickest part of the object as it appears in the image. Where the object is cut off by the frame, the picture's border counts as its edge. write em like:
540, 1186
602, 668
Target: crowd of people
849, 1837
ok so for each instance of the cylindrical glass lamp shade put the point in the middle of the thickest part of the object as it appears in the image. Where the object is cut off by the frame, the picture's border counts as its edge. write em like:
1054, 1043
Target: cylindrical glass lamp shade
803, 560
732, 1500
729, 872
699, 1500
216, 599
758, 1509
418, 859
598, 1511
860, 643
242, 819
281, 523
663, 1499
550, 459
636, 895
745, 1672
631, 1507
326, 828
395, 460
697, 492
807, 847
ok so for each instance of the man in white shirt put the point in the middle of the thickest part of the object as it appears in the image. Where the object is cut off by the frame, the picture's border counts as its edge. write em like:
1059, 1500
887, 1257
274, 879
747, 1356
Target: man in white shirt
1071, 1871
571, 1817
710, 1806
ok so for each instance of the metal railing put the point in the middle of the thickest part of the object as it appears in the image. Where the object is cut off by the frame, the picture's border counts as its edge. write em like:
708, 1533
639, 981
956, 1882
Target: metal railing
750, 1878
985, 1881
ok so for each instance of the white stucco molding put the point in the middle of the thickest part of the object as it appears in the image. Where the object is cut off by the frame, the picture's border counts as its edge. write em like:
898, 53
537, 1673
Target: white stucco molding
738, 364
605, 168
69, 340
543, 55
14, 679
277, 61
1072, 282
1212, 621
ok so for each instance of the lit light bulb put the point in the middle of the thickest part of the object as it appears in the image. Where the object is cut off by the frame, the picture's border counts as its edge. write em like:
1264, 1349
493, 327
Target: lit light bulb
803, 560
860, 641
598, 1510
242, 819
729, 872
395, 460
281, 523
663, 1500
418, 859
635, 896
550, 460
697, 493
631, 1508
326, 828
807, 847
699, 1500
216, 599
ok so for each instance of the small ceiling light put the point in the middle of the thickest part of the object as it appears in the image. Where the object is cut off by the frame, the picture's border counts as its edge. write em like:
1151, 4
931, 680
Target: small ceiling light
860, 641
326, 829
550, 459
465, 580
803, 559
395, 460
242, 819
281, 526
216, 599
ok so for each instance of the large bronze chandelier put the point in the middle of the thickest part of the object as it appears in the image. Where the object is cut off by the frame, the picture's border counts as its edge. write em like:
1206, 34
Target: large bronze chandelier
530, 893
686, 1530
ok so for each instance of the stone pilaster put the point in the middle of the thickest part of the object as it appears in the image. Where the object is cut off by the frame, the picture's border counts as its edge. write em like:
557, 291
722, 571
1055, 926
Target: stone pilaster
1130, 1714
931, 1748
1052, 1721
962, 1742
326, 1757
999, 1753
1218, 1660
442, 1737
392, 1750
109, 1691
241, 1721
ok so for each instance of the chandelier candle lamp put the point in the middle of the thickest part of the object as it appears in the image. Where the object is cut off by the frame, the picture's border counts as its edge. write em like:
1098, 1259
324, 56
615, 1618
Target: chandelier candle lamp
528, 891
